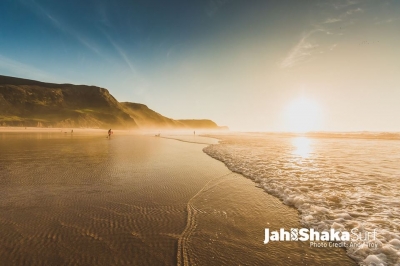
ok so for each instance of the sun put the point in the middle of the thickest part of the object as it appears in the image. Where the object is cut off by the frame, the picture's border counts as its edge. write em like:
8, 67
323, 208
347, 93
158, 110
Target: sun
302, 115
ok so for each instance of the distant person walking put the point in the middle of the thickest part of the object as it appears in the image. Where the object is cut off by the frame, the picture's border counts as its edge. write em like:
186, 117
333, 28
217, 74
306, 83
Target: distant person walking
109, 133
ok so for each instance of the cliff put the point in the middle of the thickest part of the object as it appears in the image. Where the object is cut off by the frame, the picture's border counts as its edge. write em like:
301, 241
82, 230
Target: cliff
26, 102
32, 103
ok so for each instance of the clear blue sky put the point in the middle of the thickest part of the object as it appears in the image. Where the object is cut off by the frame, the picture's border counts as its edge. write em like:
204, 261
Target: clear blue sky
240, 63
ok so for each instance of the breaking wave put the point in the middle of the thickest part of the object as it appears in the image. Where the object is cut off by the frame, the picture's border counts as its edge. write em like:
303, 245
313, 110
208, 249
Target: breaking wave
339, 183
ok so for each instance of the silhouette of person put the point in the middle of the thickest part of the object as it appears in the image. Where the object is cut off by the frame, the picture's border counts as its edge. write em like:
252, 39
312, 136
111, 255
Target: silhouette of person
109, 133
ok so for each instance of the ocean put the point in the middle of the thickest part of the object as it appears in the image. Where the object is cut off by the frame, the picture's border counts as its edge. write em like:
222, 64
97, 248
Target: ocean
84, 199
338, 181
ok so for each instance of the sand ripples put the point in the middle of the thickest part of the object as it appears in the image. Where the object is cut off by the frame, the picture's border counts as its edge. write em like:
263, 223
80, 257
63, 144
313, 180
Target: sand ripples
183, 254
93, 201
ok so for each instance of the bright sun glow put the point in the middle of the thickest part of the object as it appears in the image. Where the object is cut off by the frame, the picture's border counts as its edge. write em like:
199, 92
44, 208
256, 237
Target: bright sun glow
302, 115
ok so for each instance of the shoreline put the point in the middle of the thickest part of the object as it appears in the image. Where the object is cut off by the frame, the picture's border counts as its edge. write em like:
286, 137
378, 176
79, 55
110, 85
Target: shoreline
316, 177
150, 132
247, 199
133, 199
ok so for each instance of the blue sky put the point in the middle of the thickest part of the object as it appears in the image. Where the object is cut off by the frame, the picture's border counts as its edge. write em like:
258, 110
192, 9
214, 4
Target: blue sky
240, 63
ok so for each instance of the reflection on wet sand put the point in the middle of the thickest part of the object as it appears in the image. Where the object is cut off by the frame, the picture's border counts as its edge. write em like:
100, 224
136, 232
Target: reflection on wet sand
89, 200
135, 200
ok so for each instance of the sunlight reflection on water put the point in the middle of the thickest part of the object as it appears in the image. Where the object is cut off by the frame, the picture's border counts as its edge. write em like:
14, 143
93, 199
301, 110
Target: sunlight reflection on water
302, 147
333, 182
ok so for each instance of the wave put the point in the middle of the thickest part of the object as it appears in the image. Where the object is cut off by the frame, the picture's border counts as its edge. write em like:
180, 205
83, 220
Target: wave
335, 183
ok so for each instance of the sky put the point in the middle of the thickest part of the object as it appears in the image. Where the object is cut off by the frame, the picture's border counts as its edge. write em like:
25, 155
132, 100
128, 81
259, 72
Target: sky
249, 65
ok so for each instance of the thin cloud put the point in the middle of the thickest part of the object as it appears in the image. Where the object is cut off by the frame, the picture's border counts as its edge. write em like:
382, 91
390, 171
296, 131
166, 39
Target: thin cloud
174, 48
64, 28
300, 52
352, 11
122, 53
23, 70
332, 20
344, 16
386, 21
102, 12
344, 4
214, 6
304, 49
136, 78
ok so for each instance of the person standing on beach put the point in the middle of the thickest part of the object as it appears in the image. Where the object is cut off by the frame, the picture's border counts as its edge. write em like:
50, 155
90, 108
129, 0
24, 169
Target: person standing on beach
109, 133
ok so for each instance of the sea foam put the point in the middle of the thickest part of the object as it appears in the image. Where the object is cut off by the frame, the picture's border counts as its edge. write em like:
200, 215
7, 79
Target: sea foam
335, 183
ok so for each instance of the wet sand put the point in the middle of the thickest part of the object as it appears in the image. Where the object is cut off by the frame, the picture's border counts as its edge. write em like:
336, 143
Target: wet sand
136, 200
50, 130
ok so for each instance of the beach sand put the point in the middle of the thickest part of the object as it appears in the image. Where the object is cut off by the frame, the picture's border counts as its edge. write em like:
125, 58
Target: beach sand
50, 130
83, 199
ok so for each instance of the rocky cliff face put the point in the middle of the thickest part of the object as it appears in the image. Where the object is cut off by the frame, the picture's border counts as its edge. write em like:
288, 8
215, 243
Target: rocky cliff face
32, 103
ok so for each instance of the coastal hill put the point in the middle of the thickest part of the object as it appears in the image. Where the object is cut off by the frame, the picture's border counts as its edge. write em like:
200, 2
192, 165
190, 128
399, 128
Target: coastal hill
26, 102
147, 118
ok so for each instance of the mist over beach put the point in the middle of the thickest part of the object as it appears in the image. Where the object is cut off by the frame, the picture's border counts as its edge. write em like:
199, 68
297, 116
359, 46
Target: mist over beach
220, 132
